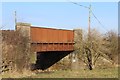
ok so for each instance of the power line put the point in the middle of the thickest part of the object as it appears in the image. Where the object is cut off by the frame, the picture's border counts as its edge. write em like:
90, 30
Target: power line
78, 4
89, 18
98, 21
91, 12
1, 28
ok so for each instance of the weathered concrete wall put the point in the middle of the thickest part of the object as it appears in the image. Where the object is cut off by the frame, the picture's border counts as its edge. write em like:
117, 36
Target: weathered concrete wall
25, 31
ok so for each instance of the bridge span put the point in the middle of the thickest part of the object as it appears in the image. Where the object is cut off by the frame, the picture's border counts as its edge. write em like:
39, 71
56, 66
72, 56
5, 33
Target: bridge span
50, 44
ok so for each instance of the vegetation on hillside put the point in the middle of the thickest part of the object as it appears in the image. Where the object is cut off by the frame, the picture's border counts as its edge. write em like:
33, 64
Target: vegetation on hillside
15, 51
94, 51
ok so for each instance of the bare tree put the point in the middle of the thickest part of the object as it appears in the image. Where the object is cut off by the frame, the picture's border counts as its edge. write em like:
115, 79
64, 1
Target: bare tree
111, 44
15, 50
89, 48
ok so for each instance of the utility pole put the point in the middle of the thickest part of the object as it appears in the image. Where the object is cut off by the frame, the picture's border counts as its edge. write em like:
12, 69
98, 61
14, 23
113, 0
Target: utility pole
89, 54
89, 22
15, 20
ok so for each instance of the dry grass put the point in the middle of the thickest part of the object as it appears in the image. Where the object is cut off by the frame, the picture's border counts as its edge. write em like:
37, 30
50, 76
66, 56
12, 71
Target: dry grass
96, 73
15, 74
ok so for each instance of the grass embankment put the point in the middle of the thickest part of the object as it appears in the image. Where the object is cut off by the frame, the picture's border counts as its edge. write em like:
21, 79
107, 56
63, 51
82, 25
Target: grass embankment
96, 73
